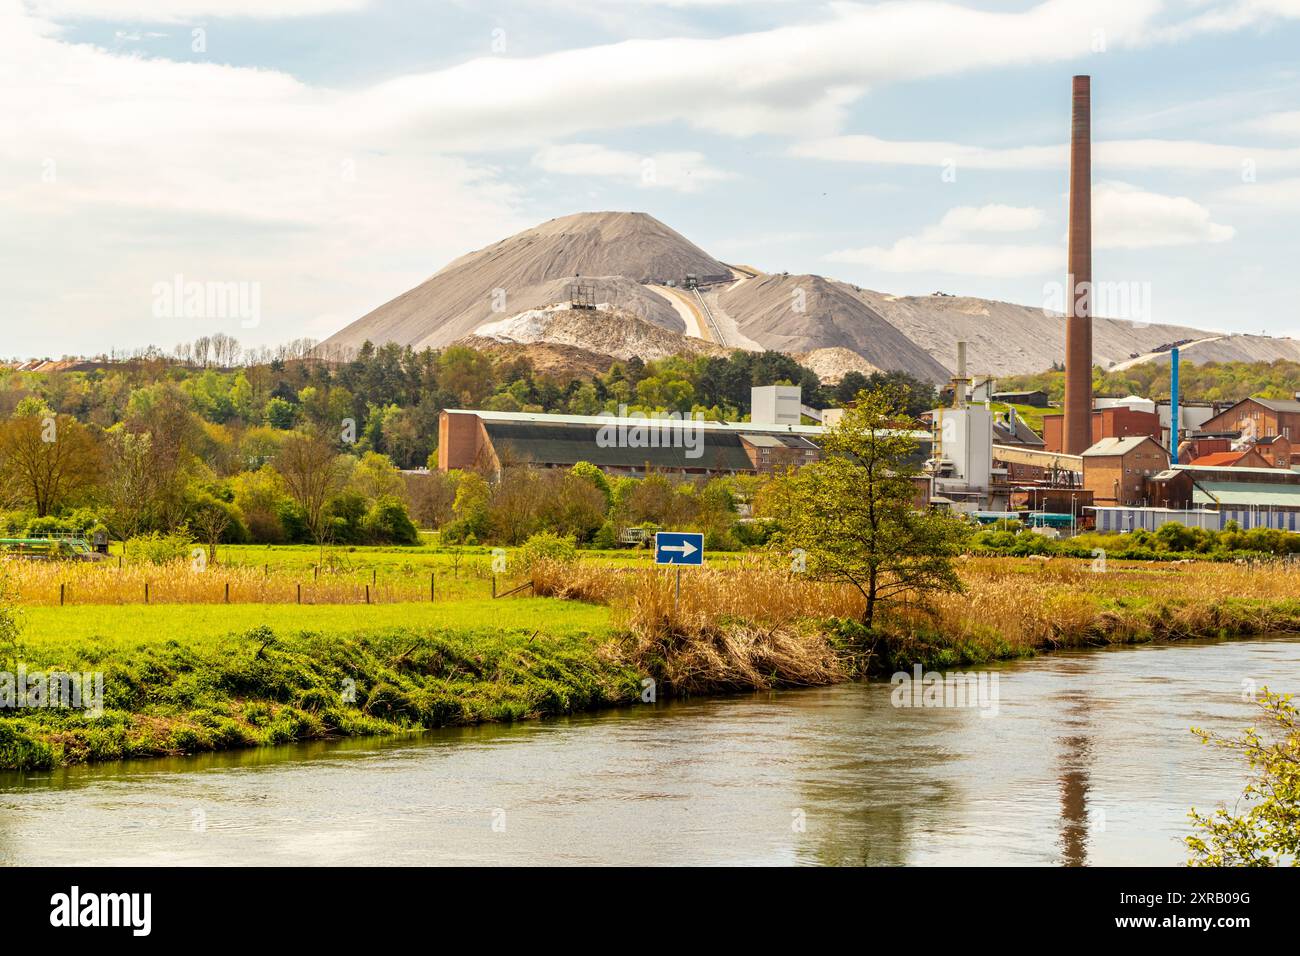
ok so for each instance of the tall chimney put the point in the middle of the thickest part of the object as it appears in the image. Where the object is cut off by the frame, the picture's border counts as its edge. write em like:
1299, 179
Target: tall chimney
1078, 314
959, 383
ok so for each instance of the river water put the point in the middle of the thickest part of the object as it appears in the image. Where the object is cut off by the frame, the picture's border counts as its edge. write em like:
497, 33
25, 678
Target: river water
1088, 760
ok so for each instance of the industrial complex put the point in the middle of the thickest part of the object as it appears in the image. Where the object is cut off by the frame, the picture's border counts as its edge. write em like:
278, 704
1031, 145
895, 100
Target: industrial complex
1114, 463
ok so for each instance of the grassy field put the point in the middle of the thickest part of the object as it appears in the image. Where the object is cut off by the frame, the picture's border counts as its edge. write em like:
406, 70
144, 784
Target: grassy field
295, 574
187, 677
50, 631
182, 679
1030, 414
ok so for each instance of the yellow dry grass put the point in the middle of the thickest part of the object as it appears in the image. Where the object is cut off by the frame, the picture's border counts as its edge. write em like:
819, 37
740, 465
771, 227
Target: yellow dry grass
1030, 604
741, 627
749, 624
42, 582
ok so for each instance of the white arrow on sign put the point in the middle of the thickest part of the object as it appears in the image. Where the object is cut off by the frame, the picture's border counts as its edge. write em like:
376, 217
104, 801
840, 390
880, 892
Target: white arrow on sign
686, 548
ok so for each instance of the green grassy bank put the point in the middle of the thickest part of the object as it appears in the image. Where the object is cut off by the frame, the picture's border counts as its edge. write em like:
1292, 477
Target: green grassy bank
185, 679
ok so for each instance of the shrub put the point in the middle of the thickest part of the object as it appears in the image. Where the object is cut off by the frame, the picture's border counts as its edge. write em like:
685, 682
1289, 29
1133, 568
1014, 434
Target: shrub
155, 548
20, 752
83, 522
388, 522
715, 540
544, 546
606, 538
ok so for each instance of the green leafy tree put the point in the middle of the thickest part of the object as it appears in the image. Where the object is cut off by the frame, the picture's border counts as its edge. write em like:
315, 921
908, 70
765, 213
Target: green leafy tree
375, 476
51, 459
1267, 832
589, 472
313, 474
280, 414
853, 514
388, 522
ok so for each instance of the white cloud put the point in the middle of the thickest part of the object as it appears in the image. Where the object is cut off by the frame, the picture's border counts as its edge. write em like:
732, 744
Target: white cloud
794, 80
681, 171
120, 170
962, 220
936, 153
1125, 217
186, 11
117, 172
1113, 154
1275, 195
1276, 124
948, 246
916, 254
1237, 15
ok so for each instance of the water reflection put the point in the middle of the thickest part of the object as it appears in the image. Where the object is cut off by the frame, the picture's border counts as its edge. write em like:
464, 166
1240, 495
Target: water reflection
1087, 762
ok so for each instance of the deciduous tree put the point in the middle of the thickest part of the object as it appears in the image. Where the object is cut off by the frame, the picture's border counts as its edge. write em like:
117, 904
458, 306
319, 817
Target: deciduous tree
853, 513
51, 459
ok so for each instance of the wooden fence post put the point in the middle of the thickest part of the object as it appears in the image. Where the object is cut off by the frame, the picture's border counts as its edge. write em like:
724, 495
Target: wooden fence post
299, 592
146, 592
227, 592
431, 591
61, 587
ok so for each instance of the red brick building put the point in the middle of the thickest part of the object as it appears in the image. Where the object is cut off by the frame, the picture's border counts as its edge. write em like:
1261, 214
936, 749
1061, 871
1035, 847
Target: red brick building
1258, 418
1116, 470
1119, 421
1276, 450
1246, 458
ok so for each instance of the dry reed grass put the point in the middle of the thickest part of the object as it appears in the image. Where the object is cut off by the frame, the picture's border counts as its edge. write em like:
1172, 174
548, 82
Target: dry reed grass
1030, 605
753, 625
743, 627
39, 583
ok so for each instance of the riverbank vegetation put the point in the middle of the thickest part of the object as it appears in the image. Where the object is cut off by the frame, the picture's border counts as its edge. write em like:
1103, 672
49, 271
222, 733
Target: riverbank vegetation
1263, 829
1172, 541
189, 679
1005, 609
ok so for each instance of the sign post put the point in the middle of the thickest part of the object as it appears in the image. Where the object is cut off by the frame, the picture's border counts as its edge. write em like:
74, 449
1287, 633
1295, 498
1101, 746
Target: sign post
679, 548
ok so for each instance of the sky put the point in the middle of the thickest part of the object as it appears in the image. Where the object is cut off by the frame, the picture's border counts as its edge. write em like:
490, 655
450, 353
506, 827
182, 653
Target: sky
312, 159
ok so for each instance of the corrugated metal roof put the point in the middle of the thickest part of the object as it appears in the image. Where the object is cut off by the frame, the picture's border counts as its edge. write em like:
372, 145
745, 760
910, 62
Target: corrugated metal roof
1118, 446
519, 443
1219, 459
1245, 493
1209, 469
539, 418
1277, 404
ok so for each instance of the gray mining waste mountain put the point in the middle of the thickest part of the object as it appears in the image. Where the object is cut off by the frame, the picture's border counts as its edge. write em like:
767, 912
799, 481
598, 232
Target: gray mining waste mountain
515, 296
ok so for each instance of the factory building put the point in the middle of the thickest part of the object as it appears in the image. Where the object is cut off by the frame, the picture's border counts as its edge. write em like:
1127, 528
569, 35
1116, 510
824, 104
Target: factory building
1209, 496
774, 440
488, 441
1192, 417
1116, 470
1242, 458
1258, 418
1276, 450
1114, 421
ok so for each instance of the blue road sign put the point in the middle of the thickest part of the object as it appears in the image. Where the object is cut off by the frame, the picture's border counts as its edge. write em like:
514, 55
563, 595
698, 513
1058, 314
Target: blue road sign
679, 547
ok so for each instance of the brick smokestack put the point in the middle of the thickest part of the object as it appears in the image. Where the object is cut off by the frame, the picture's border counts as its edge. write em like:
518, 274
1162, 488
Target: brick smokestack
1078, 297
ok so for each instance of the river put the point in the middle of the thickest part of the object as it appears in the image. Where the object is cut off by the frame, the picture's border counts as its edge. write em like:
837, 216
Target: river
1088, 760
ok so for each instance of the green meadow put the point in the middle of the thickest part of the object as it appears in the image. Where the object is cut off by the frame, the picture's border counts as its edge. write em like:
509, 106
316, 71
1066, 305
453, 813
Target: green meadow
189, 678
